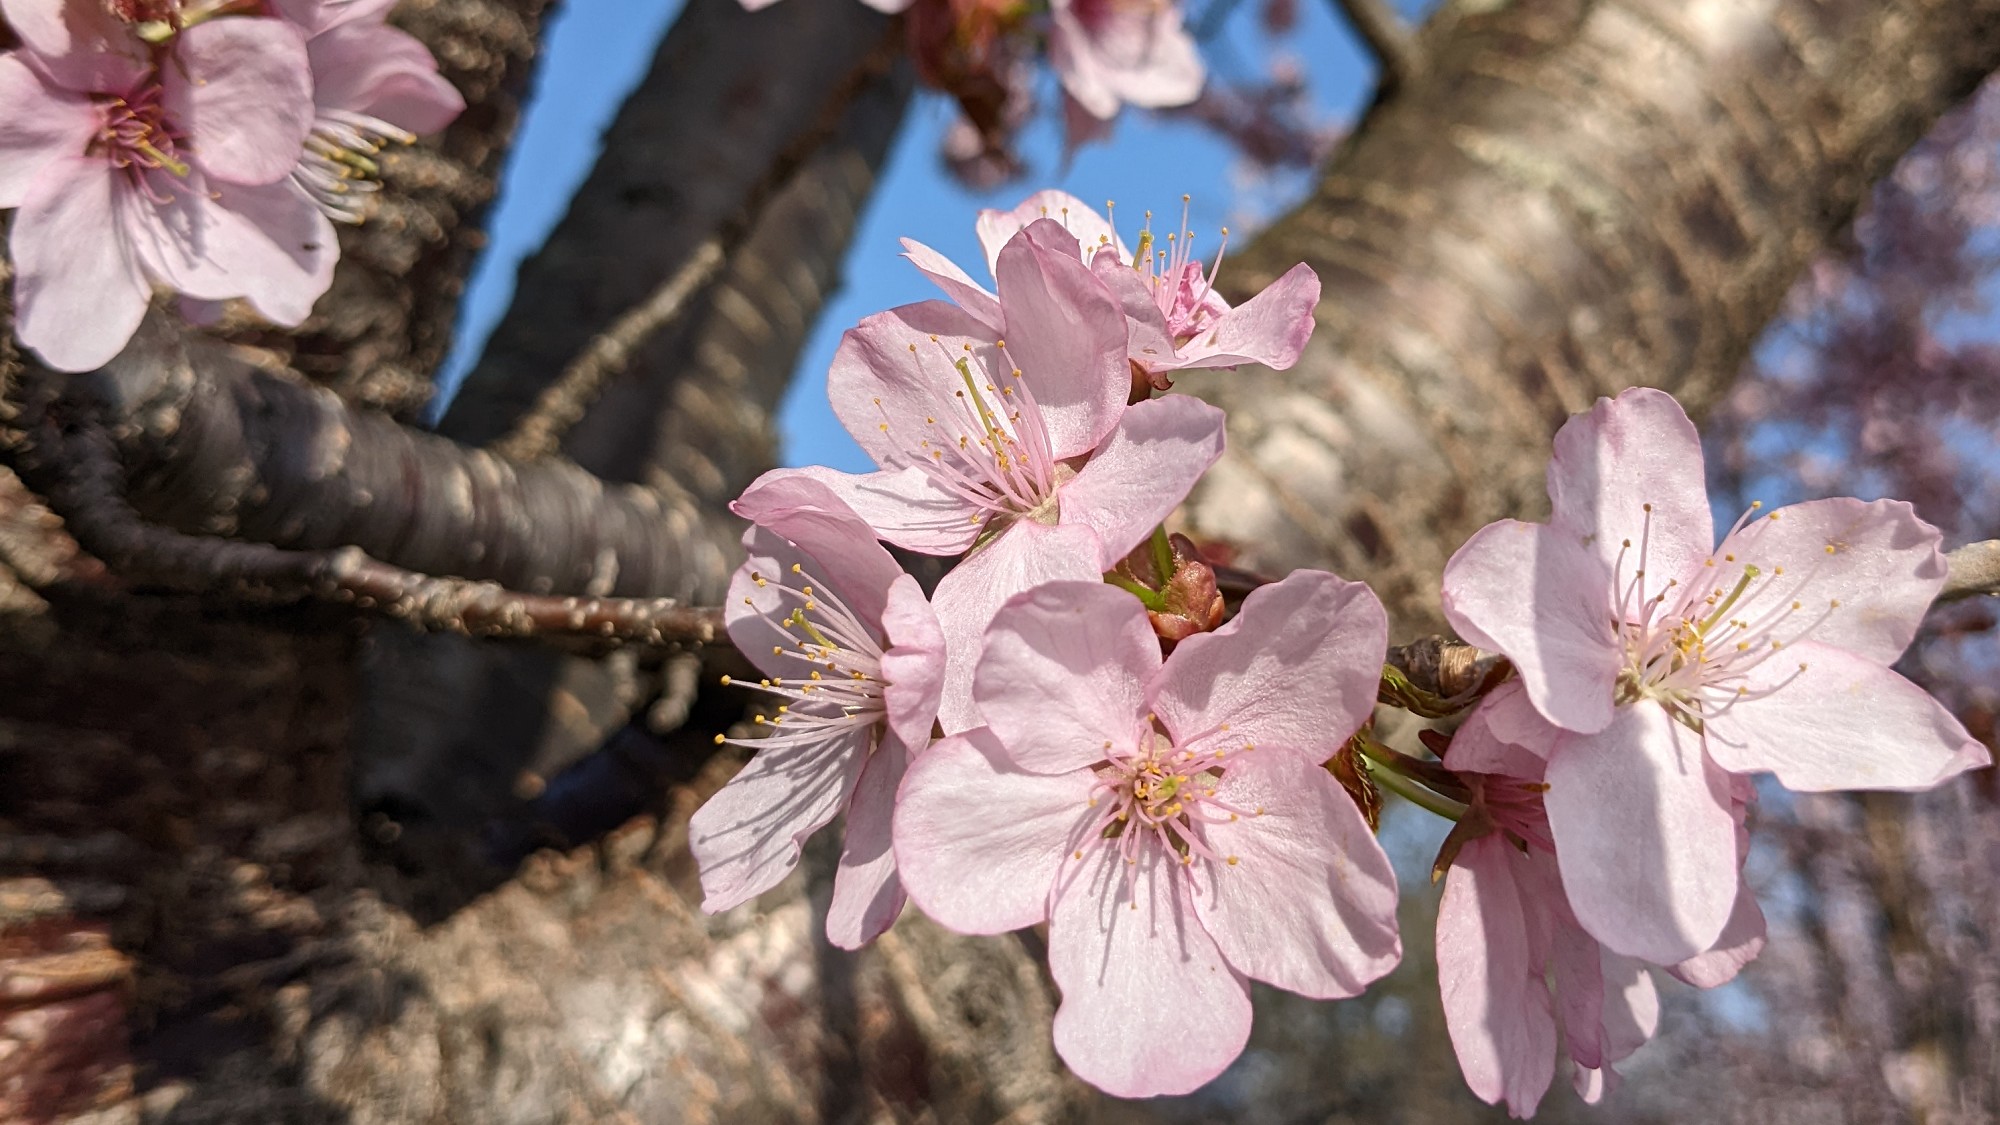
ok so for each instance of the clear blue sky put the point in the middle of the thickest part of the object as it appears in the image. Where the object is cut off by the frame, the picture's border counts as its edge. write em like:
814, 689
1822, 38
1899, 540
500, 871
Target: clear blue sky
597, 50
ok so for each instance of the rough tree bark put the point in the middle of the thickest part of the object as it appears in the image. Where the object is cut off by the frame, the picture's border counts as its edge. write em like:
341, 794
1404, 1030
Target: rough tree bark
1567, 197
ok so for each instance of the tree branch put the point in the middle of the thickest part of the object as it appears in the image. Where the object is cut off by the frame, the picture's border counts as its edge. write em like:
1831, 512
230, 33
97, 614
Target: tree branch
210, 445
1975, 570
74, 464
1392, 40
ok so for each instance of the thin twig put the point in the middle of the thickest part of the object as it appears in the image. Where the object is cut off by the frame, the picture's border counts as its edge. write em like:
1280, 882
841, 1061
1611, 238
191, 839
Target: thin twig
562, 403
75, 467
1386, 34
1975, 570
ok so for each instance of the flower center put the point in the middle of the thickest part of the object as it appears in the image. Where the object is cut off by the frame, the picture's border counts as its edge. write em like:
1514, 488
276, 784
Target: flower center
839, 687
983, 438
338, 170
1159, 795
136, 136
1694, 649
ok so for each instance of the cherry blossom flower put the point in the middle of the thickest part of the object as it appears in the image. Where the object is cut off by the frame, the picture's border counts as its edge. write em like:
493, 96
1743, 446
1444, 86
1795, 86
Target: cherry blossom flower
1522, 981
847, 639
1665, 664
1170, 821
1018, 448
128, 173
1123, 52
372, 84
1175, 319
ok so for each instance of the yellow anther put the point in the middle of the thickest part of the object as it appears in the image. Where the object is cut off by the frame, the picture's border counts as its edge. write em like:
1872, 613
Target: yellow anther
726, 681
719, 740
1231, 861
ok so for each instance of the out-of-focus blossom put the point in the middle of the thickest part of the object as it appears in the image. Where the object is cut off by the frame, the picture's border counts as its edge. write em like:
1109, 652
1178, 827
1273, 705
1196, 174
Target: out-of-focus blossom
1175, 320
1169, 820
1661, 664
1011, 438
847, 639
130, 172
1123, 52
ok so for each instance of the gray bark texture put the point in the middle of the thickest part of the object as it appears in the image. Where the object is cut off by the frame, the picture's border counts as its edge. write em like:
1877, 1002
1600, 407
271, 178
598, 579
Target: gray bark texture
279, 863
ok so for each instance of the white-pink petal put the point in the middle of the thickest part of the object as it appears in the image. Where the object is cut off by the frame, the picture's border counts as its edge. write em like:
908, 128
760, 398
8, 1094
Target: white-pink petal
241, 89
1610, 464
1883, 569
748, 836
1541, 596
1644, 835
81, 44
912, 663
1066, 333
1142, 472
1311, 628
1270, 328
1304, 897
1024, 556
1496, 1000
1090, 229
1149, 1005
956, 283
1061, 679
978, 840
867, 896
39, 125
1823, 718
79, 291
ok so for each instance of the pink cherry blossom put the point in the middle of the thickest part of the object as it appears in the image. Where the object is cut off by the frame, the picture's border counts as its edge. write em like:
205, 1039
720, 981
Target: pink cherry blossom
1019, 448
1175, 320
130, 172
1522, 981
1170, 821
1113, 52
890, 7
372, 85
1661, 664
847, 639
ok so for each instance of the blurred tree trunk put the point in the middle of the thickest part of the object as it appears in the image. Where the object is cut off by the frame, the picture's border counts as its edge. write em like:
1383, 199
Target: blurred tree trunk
214, 908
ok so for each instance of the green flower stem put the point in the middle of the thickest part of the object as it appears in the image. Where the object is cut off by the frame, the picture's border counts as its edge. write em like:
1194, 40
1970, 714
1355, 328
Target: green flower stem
1388, 778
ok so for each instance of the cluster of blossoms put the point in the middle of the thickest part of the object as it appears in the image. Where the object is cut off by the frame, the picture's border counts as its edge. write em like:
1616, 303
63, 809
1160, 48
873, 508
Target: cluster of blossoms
203, 146
1067, 735
1106, 53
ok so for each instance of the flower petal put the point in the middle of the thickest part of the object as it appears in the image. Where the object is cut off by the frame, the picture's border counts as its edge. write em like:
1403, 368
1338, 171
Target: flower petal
893, 373
867, 896
1061, 679
1741, 941
1022, 557
241, 89
1142, 472
956, 283
1496, 1001
1308, 902
978, 840
1066, 333
79, 293
1148, 343
1644, 835
385, 73
997, 228
1149, 1005
904, 506
1878, 561
1834, 720
1479, 747
1312, 628
747, 837
1626, 453
912, 664
1533, 592
39, 125
826, 539
268, 244
81, 44
1271, 328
